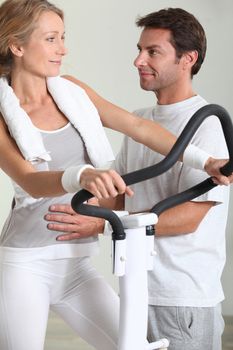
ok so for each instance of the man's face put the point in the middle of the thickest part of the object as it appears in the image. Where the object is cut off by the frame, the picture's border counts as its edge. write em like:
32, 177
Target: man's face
158, 67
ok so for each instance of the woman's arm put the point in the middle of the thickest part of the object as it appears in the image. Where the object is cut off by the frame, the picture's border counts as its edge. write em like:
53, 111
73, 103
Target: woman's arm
141, 130
152, 134
102, 184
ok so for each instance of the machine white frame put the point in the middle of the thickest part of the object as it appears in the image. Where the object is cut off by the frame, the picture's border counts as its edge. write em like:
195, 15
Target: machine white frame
133, 257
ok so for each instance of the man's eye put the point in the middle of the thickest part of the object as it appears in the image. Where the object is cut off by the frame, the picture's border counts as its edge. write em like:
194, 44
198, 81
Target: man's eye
152, 52
51, 39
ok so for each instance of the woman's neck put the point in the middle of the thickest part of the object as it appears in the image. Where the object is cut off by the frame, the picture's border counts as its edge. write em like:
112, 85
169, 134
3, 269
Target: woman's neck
29, 89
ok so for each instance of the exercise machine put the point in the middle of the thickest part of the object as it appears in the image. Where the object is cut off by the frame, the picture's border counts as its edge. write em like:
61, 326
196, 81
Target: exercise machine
133, 235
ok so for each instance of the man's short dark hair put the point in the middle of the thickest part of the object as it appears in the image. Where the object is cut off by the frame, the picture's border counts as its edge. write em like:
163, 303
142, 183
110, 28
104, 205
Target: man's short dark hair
187, 34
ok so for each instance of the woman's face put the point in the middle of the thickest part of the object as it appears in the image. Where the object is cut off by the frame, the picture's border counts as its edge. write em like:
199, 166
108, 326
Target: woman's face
42, 54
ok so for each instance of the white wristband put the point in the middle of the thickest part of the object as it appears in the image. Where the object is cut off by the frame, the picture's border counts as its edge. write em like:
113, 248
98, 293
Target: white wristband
71, 177
195, 157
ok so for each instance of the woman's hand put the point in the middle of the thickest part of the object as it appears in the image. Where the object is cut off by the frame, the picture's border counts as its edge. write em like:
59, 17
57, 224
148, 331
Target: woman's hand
104, 184
212, 167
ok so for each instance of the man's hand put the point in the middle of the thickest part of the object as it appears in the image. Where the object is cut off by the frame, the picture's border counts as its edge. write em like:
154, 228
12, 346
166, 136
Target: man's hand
212, 167
104, 183
63, 218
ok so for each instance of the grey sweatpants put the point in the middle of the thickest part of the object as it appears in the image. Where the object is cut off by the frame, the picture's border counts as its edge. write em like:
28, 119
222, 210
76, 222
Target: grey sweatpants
187, 328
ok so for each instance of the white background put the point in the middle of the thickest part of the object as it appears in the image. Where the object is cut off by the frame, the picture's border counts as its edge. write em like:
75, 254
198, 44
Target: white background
101, 37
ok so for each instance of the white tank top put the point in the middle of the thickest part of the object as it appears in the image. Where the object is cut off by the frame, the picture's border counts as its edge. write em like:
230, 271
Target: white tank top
26, 228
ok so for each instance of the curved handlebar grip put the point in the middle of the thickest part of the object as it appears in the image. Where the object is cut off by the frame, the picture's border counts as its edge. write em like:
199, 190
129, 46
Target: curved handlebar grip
92, 210
164, 165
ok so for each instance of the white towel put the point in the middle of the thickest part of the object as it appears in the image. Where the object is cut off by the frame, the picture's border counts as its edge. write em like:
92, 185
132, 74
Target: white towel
76, 106
20, 126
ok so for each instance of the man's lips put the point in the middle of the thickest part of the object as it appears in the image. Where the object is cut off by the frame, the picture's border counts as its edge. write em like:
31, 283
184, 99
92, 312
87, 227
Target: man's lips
144, 73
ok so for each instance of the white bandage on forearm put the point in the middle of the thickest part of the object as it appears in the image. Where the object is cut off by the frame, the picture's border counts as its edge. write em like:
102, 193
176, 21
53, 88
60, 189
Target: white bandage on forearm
71, 177
195, 157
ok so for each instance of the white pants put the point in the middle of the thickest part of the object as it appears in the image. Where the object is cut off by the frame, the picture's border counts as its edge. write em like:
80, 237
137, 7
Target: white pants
71, 288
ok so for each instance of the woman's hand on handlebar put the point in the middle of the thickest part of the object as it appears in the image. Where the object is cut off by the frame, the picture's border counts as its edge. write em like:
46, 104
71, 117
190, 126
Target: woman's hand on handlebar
212, 167
104, 183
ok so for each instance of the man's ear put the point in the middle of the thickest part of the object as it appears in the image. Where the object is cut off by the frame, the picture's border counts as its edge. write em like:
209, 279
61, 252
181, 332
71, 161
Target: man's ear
16, 49
189, 59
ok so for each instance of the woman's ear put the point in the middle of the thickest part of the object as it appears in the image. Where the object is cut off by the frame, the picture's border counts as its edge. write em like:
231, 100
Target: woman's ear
16, 49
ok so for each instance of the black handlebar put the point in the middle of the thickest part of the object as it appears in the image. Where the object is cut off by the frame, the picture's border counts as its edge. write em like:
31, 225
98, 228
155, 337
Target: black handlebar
161, 167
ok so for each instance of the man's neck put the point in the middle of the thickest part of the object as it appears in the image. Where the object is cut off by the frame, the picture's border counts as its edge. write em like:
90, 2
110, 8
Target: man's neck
170, 96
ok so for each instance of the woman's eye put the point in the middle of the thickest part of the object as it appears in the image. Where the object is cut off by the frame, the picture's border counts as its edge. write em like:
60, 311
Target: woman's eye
50, 39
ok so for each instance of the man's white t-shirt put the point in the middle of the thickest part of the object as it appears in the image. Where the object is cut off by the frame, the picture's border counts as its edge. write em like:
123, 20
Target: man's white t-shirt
187, 268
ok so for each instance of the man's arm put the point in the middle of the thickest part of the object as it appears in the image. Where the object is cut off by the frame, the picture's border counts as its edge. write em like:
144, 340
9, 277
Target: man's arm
182, 219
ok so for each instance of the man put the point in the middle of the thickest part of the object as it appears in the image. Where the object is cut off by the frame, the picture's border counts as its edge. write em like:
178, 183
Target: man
185, 290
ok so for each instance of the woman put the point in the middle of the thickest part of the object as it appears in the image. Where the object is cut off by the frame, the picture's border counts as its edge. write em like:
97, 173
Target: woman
48, 125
